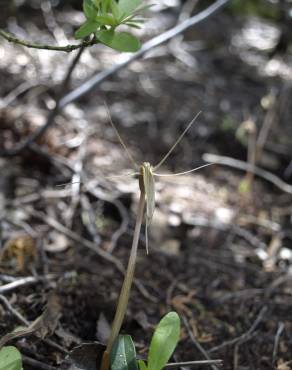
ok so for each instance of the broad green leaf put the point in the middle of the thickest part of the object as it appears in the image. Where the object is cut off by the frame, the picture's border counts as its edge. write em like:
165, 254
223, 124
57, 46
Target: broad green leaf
96, 3
128, 6
106, 20
123, 354
115, 10
10, 359
86, 29
105, 5
164, 341
89, 9
121, 41
142, 365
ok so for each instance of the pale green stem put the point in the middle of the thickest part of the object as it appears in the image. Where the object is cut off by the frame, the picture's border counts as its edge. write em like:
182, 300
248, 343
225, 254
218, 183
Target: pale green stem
127, 284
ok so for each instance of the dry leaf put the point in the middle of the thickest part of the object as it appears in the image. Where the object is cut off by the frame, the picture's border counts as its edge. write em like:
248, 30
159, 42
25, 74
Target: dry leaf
43, 326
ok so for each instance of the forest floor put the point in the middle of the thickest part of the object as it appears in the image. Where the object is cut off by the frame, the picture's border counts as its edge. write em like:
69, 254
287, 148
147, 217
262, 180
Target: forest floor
220, 239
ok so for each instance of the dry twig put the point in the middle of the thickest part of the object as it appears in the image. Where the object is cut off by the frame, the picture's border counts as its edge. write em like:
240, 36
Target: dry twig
235, 163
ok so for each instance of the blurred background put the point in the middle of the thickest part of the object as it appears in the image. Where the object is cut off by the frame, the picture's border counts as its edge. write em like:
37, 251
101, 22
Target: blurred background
220, 240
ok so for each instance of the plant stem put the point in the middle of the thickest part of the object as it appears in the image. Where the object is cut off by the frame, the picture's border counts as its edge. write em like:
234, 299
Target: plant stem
66, 48
127, 284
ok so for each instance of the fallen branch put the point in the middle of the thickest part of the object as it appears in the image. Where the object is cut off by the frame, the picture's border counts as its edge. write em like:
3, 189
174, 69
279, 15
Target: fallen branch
236, 163
198, 345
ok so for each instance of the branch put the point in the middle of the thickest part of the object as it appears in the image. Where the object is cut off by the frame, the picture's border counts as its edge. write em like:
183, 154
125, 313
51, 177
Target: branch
97, 79
236, 163
67, 48
149, 45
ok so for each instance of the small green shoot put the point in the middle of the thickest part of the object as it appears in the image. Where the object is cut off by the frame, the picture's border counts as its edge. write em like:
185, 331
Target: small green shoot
123, 354
104, 16
10, 359
163, 343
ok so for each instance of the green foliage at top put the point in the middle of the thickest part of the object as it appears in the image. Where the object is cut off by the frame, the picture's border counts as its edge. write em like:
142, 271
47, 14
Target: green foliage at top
10, 359
104, 16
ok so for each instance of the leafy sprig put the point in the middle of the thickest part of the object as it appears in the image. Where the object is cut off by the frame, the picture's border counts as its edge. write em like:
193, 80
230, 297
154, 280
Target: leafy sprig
103, 17
163, 343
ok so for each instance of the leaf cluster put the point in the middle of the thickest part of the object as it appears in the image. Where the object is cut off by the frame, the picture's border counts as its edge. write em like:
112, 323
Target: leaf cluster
104, 16
163, 343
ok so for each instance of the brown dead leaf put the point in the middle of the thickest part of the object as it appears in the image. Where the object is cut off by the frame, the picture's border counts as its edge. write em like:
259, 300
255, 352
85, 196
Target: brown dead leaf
43, 326
22, 249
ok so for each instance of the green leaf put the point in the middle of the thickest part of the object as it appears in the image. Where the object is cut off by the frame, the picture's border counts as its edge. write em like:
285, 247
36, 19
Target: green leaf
121, 41
142, 9
123, 354
128, 6
133, 25
89, 9
164, 341
115, 9
142, 365
10, 359
105, 5
106, 20
86, 29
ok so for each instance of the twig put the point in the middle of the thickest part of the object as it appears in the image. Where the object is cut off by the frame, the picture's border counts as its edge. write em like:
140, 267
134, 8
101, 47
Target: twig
280, 330
29, 44
192, 363
76, 183
19, 317
76, 238
90, 245
236, 163
123, 226
51, 23
149, 45
23, 282
245, 336
268, 122
235, 229
187, 9
37, 364
197, 344
12, 95
23, 321
52, 115
277, 282
89, 223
